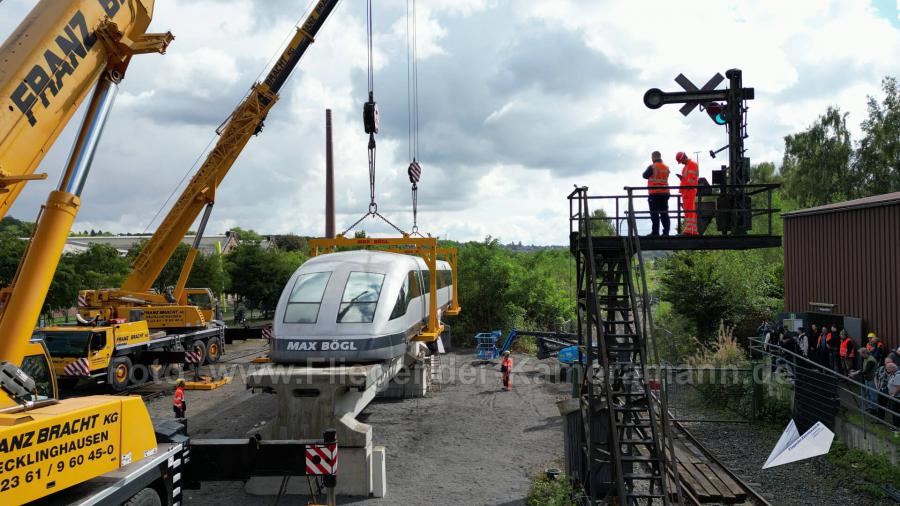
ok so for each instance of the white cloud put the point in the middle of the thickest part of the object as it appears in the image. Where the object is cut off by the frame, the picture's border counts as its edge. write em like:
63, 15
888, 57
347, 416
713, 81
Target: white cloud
519, 101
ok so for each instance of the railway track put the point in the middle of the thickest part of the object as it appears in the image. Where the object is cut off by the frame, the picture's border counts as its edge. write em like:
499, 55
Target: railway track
704, 464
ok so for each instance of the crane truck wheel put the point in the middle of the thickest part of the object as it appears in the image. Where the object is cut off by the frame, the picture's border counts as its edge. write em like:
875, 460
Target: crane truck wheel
199, 347
119, 373
146, 497
213, 351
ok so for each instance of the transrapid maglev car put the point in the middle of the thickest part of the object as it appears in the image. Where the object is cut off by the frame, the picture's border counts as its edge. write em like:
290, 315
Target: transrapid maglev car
355, 307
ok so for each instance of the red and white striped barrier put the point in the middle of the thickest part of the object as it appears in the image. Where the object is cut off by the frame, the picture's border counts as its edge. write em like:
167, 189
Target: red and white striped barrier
79, 367
267, 332
82, 302
192, 357
321, 459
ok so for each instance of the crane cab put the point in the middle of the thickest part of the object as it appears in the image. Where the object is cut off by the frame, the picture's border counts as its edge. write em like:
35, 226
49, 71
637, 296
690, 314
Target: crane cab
38, 365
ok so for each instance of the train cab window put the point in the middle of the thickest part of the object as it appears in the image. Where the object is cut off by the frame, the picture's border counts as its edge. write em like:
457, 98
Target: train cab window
412, 280
360, 297
38, 369
306, 298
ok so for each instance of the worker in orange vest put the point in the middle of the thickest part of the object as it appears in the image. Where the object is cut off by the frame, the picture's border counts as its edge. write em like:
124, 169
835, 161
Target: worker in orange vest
506, 366
657, 175
178, 403
690, 177
848, 352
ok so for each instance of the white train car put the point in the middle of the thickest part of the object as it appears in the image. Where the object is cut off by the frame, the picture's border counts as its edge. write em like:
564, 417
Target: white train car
355, 307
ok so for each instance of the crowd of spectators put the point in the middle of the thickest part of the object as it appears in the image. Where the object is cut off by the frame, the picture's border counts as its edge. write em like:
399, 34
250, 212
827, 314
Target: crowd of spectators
873, 365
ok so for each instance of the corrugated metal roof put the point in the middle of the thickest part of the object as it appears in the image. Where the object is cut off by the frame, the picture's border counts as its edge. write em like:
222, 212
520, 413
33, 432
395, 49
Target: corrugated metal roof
849, 205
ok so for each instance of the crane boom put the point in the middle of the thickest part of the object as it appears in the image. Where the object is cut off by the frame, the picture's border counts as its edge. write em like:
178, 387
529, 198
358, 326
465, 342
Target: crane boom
48, 66
245, 122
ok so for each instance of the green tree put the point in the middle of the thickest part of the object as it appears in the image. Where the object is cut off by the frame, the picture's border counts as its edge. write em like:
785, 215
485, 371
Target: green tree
100, 266
817, 161
11, 250
705, 287
248, 235
258, 276
63, 292
878, 154
291, 242
16, 228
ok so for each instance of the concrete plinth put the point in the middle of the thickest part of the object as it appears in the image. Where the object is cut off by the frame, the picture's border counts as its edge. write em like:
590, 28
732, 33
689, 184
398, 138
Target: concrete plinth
313, 399
410, 383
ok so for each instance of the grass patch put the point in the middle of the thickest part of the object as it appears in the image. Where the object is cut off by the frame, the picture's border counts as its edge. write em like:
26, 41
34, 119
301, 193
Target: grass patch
870, 425
547, 492
871, 469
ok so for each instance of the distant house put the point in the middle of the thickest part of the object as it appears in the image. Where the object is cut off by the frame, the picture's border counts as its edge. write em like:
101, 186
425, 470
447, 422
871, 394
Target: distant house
124, 242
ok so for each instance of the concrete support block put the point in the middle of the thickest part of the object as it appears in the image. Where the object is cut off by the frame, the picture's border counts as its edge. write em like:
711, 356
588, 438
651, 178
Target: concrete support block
354, 476
379, 472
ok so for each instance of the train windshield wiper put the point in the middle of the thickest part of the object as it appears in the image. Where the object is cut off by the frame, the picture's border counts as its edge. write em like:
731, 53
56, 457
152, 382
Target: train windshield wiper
349, 304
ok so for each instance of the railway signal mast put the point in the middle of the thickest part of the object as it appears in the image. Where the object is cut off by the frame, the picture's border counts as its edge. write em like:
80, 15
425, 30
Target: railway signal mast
726, 107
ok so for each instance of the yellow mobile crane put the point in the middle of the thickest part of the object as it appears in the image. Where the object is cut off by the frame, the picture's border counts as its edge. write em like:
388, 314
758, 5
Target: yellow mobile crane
78, 451
174, 311
49, 65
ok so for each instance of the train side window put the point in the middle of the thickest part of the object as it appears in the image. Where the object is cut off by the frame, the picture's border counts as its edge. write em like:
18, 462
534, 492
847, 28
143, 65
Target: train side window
402, 303
360, 297
38, 369
426, 279
306, 298
412, 280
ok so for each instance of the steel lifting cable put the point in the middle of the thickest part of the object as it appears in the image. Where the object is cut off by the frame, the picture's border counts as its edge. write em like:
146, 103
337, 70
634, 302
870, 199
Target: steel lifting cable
371, 123
412, 103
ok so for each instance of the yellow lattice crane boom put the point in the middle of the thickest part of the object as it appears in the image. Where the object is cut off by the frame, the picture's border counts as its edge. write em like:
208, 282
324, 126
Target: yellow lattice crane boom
244, 122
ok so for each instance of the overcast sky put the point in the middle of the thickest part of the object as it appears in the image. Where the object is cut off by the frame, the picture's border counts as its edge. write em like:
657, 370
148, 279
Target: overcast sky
519, 101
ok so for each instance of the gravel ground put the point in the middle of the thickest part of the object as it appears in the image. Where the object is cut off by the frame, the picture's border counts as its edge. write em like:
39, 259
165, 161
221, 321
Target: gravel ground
744, 448
468, 443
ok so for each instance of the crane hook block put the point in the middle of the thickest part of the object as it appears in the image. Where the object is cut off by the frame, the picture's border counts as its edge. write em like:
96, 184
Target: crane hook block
370, 116
414, 172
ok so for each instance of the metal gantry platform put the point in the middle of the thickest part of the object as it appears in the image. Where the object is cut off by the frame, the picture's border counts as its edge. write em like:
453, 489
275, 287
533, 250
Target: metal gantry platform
627, 452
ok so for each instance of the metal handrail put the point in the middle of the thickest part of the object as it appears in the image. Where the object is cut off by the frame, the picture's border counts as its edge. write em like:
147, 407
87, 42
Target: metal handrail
618, 219
809, 364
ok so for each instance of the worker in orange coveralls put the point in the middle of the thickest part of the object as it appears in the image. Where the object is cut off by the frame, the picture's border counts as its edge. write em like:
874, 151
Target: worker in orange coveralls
690, 176
506, 366
178, 403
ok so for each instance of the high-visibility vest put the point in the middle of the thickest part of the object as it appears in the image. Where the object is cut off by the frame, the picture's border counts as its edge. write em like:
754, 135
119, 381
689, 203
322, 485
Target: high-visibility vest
690, 176
178, 399
506, 365
660, 177
847, 348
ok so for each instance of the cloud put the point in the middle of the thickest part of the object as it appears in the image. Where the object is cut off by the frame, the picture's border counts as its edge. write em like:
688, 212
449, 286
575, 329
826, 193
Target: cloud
518, 101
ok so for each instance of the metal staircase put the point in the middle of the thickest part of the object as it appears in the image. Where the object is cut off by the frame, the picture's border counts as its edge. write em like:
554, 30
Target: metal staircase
627, 451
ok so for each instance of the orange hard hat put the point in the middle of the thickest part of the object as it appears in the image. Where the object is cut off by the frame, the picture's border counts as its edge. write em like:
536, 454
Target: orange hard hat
680, 157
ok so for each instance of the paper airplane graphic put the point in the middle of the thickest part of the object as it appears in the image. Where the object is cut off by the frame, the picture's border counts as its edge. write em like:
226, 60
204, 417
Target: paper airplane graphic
792, 447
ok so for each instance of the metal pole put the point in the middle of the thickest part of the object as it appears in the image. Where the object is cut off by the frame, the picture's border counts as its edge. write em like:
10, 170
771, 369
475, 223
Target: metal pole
329, 178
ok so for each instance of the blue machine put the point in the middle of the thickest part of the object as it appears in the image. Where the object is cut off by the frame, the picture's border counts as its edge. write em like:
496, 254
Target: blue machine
550, 344
486, 345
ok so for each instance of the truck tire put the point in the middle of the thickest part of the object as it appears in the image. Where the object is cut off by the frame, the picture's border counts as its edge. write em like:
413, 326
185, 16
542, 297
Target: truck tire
146, 497
199, 346
119, 373
213, 350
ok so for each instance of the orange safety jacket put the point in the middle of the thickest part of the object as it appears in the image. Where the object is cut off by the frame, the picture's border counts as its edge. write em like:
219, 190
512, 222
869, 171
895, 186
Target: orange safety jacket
659, 177
506, 365
847, 348
690, 176
178, 399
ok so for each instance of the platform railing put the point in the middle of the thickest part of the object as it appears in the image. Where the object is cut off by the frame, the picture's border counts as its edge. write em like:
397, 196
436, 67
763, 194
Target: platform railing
853, 395
620, 205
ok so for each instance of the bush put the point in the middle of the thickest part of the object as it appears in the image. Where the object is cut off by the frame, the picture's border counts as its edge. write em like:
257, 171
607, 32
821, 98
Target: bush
547, 492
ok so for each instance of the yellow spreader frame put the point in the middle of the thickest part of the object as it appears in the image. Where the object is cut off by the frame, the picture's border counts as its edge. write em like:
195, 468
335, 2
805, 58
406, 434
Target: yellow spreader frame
425, 247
